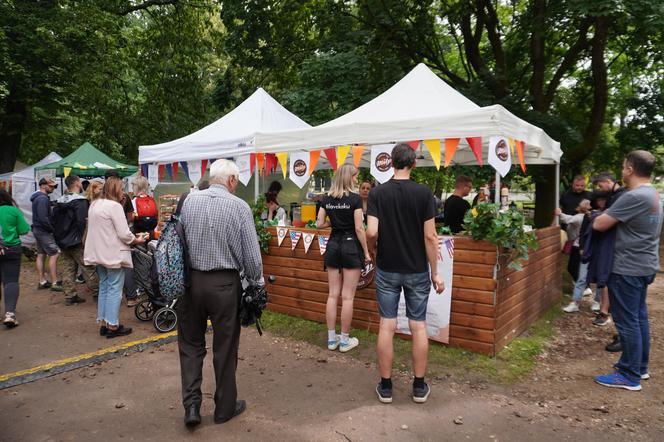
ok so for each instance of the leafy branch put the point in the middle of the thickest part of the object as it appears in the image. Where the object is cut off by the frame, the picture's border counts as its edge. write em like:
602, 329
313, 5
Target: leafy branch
264, 236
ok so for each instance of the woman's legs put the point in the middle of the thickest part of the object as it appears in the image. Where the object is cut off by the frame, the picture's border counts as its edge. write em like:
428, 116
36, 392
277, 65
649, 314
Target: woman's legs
114, 282
334, 283
350, 279
102, 273
10, 269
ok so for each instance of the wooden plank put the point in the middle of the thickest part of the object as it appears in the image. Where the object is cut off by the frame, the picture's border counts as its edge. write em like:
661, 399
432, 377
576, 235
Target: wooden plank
319, 317
524, 315
517, 287
298, 283
526, 288
469, 295
309, 275
320, 308
538, 289
472, 308
297, 253
358, 303
504, 336
474, 321
476, 270
462, 242
473, 334
505, 279
480, 347
296, 263
469, 282
474, 257
367, 294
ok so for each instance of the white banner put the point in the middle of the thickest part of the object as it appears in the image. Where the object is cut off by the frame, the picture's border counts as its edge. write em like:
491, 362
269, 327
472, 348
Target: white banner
381, 162
438, 306
195, 172
499, 155
244, 164
153, 175
299, 168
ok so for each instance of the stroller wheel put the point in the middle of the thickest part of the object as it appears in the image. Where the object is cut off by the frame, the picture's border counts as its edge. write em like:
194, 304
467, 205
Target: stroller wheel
165, 319
144, 310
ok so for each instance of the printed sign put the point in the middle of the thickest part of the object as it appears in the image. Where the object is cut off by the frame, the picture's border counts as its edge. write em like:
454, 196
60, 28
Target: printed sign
381, 162
438, 306
499, 155
299, 168
281, 234
308, 238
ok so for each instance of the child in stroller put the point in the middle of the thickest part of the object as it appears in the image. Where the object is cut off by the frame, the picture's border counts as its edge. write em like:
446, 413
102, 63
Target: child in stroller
155, 307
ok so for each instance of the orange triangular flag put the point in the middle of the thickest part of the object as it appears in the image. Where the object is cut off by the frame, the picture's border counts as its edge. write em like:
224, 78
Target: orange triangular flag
475, 144
357, 155
314, 155
450, 149
260, 159
520, 150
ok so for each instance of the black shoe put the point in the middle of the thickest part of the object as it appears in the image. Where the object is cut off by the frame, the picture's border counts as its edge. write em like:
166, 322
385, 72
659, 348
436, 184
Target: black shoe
74, 300
192, 415
103, 330
421, 394
120, 331
56, 286
240, 406
80, 279
614, 346
384, 394
44, 285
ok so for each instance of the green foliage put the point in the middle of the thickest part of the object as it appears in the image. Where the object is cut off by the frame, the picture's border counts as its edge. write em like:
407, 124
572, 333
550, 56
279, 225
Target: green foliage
257, 209
504, 229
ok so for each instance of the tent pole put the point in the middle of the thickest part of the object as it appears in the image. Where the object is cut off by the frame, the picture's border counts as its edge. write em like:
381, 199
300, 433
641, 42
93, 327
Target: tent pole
496, 196
557, 190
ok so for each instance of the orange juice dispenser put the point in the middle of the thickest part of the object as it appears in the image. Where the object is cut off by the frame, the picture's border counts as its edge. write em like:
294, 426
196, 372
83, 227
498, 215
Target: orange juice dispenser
308, 211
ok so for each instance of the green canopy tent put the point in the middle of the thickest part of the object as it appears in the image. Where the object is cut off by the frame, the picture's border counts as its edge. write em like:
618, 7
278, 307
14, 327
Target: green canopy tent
86, 161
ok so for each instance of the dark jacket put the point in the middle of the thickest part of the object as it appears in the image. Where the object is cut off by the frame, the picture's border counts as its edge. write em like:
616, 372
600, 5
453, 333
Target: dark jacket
598, 253
41, 212
615, 195
70, 216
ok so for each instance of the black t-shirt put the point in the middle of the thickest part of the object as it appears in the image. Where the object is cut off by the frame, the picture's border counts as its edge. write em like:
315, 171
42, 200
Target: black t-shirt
402, 207
126, 204
342, 211
455, 209
570, 201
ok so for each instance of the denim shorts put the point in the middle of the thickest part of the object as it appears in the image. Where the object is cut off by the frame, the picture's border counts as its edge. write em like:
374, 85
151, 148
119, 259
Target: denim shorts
45, 243
416, 288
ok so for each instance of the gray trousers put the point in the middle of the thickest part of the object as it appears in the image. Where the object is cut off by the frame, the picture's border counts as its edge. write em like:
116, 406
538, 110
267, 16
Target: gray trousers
213, 295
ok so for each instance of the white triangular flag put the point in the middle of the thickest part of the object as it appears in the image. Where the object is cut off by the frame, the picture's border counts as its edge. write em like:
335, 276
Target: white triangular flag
299, 168
153, 175
195, 172
308, 238
294, 238
499, 155
244, 164
381, 162
281, 234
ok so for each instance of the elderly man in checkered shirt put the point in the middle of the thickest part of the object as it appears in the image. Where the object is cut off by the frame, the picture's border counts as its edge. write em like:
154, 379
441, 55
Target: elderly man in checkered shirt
222, 242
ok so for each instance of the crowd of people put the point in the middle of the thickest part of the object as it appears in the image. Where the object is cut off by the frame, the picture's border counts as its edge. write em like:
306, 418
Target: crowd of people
613, 235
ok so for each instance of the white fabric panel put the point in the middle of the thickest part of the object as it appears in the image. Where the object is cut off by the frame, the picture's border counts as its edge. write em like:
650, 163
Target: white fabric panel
499, 154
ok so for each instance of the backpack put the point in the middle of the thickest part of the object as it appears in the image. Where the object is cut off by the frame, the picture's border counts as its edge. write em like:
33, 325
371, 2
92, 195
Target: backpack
171, 260
146, 207
65, 228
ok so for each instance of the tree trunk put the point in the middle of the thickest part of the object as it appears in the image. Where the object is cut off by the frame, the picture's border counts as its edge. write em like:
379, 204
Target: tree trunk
545, 194
11, 132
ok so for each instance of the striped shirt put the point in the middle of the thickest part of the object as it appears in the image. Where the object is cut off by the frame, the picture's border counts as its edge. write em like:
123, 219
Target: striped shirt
220, 233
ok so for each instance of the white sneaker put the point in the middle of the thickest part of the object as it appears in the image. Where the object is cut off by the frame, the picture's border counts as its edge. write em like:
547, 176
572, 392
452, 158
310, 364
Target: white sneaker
588, 292
573, 307
351, 344
645, 376
595, 306
10, 320
332, 345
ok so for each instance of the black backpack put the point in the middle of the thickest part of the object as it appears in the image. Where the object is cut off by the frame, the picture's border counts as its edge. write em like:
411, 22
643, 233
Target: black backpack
65, 229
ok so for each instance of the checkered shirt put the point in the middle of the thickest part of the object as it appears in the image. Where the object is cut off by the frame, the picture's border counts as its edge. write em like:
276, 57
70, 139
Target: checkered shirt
220, 233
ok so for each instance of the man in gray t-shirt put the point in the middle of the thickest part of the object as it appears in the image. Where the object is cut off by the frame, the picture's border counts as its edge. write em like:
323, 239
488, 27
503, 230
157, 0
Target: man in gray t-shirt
637, 217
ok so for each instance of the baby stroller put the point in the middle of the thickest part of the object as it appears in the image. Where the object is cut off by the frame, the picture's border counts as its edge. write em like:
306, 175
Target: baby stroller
155, 308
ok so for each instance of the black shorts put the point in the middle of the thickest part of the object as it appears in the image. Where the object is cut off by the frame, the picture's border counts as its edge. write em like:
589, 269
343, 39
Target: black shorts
344, 252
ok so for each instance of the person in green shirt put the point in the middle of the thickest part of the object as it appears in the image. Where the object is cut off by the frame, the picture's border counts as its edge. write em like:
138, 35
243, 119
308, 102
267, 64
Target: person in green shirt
12, 225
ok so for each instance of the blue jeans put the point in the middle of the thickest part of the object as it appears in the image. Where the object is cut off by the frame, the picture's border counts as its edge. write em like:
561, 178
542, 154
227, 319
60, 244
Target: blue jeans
627, 296
416, 288
110, 294
580, 284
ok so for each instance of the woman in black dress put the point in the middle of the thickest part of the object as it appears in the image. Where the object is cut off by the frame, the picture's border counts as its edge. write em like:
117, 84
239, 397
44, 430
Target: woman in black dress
346, 253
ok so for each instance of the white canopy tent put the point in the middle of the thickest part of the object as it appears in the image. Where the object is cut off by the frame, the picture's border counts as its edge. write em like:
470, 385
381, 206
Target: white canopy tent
231, 135
23, 185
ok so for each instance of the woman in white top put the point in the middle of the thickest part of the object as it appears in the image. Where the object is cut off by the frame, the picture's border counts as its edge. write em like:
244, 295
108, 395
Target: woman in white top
574, 233
274, 210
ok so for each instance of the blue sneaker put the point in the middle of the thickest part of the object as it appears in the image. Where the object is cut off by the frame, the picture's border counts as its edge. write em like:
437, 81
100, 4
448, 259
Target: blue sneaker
616, 380
332, 345
384, 394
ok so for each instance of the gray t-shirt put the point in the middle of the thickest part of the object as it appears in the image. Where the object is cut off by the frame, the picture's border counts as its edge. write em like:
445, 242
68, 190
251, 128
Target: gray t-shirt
639, 213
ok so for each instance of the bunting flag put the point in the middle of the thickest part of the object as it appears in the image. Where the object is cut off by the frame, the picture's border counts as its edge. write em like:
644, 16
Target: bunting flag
169, 170
194, 171
185, 168
270, 163
381, 162
144, 170
153, 175
299, 168
260, 159
510, 141
252, 163
521, 151
283, 162
451, 145
331, 156
357, 155
161, 173
342, 153
314, 155
322, 243
294, 238
281, 234
175, 170
308, 238
67, 171
204, 165
413, 144
499, 155
433, 146
244, 164
475, 144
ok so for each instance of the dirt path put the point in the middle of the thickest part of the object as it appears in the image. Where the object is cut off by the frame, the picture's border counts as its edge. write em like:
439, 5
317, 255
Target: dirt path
298, 391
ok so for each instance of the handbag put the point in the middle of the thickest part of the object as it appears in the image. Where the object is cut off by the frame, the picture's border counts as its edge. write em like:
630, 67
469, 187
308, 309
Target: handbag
567, 248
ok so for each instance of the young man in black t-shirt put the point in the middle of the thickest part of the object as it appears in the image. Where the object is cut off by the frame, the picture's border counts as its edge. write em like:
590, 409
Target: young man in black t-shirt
456, 206
401, 219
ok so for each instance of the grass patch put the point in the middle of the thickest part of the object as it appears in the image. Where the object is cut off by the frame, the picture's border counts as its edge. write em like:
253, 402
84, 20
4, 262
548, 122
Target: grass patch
514, 362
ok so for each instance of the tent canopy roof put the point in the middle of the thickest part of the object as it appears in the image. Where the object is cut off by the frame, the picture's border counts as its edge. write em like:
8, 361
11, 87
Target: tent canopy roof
88, 161
28, 173
231, 135
419, 106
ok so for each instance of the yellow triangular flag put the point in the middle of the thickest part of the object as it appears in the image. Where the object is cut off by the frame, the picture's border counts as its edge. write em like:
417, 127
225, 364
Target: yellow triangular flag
67, 171
512, 143
342, 153
451, 145
357, 155
283, 158
433, 146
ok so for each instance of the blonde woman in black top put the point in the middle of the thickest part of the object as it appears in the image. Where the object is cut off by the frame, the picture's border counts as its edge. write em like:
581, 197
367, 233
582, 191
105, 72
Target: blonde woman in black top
346, 253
